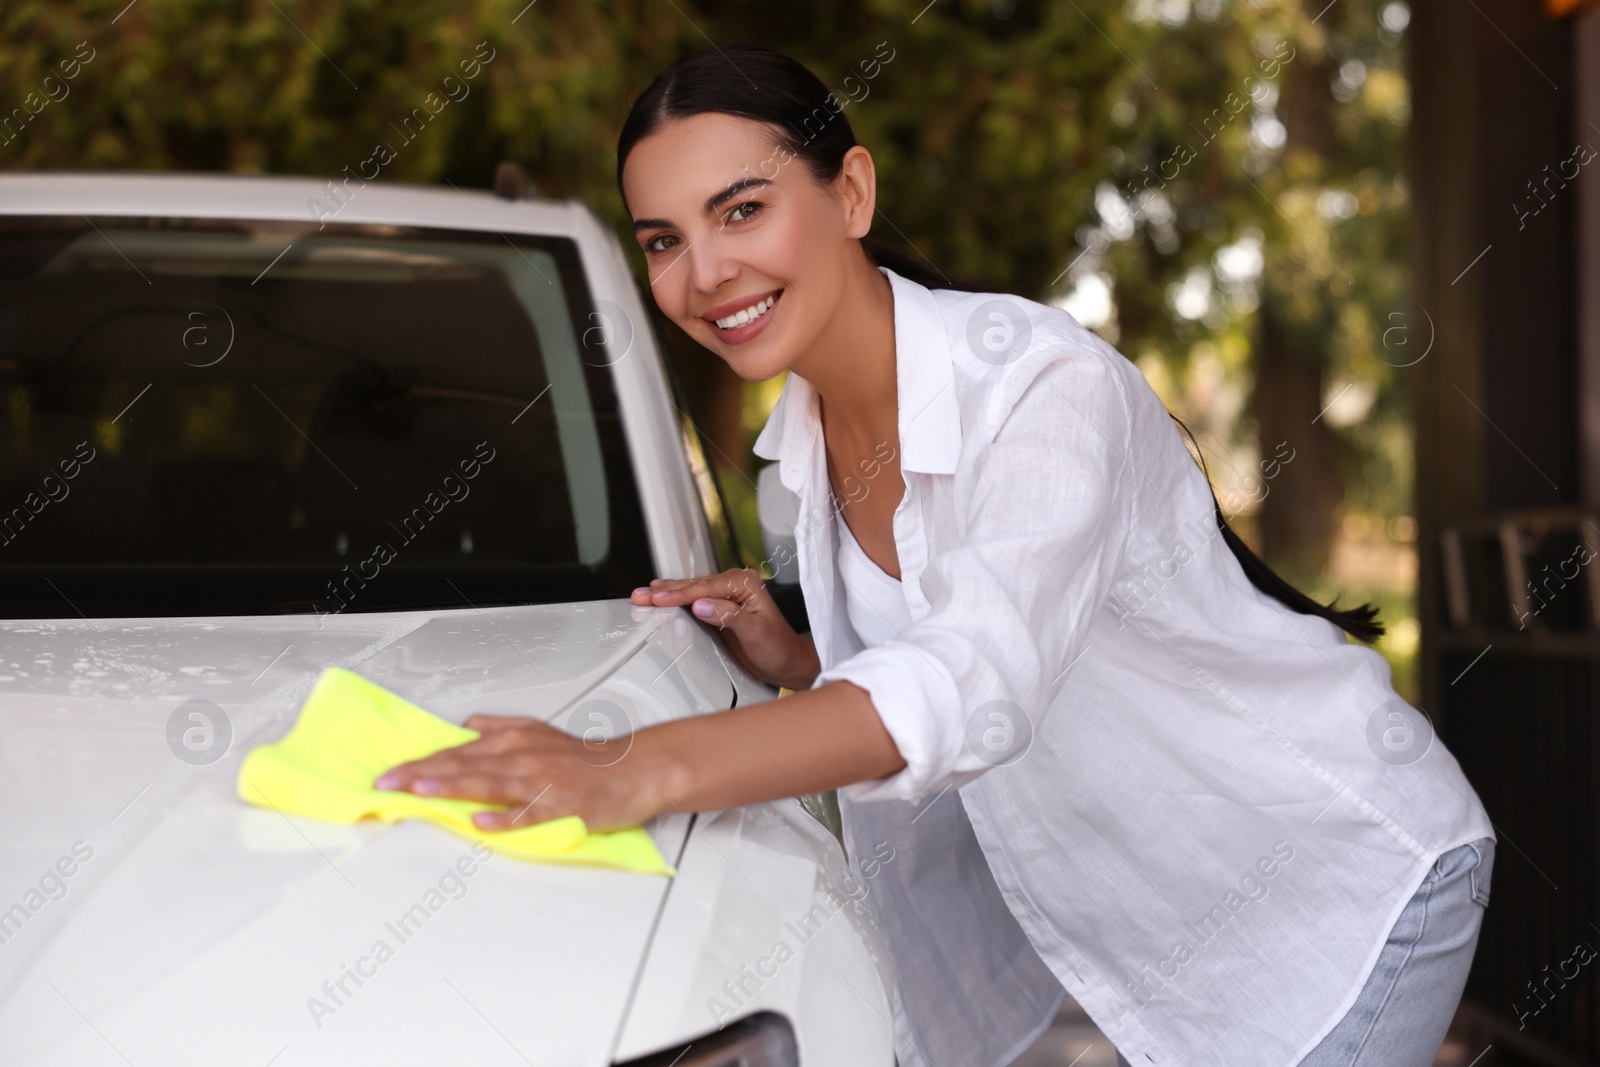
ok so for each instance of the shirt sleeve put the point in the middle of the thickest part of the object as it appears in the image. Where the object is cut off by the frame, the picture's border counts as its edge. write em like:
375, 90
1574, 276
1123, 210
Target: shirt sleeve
961, 689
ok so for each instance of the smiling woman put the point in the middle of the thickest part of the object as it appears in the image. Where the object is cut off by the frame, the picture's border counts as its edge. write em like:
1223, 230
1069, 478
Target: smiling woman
1127, 727
784, 231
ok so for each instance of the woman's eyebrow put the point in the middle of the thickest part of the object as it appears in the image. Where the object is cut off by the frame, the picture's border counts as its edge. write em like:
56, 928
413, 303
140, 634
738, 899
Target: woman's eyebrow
711, 204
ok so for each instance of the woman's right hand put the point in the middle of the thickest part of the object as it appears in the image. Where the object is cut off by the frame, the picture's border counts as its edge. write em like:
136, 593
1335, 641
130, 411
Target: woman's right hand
736, 601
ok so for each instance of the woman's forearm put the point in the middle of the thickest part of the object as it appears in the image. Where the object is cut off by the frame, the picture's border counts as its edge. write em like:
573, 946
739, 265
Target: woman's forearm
807, 742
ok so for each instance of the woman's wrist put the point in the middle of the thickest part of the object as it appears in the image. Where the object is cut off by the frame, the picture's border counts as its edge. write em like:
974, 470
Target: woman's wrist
661, 776
661, 759
805, 665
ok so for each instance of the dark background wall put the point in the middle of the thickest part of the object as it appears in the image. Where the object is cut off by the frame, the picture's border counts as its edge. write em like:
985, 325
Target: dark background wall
1501, 421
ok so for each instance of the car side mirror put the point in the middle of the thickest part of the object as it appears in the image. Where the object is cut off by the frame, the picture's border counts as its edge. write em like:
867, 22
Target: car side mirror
779, 509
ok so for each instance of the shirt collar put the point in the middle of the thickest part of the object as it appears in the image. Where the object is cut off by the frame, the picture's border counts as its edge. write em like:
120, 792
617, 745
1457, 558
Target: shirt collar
929, 417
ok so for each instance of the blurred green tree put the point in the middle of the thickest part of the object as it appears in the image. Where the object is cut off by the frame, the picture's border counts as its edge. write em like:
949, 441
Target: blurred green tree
1212, 178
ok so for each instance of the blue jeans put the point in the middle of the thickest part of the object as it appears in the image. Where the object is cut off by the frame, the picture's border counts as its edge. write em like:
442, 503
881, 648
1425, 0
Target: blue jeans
1400, 1017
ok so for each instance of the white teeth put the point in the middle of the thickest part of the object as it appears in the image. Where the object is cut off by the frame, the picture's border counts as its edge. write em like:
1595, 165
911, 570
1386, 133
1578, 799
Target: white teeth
749, 314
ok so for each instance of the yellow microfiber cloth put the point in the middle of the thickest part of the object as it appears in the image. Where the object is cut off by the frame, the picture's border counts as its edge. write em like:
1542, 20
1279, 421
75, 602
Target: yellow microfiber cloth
351, 730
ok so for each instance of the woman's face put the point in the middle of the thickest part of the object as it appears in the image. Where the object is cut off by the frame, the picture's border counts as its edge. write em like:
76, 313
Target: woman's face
728, 222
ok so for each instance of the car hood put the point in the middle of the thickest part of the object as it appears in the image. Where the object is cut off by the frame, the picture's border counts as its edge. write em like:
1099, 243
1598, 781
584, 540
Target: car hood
148, 916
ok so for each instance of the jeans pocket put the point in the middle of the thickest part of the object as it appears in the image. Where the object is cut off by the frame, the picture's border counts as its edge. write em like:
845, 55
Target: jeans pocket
1482, 870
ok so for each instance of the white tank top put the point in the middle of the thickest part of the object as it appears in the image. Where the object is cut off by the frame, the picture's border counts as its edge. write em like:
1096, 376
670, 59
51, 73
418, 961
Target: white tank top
936, 838
874, 600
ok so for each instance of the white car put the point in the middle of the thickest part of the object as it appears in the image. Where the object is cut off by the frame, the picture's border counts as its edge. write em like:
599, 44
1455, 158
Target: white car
254, 427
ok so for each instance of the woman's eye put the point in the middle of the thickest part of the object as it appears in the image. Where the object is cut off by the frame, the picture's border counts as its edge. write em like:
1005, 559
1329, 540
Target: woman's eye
651, 246
734, 215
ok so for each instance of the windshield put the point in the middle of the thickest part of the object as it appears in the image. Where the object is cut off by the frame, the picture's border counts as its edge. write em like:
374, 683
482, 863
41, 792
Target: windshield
202, 418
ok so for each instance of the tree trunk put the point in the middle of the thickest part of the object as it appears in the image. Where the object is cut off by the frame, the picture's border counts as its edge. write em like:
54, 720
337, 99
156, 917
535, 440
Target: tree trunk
1300, 513
1301, 509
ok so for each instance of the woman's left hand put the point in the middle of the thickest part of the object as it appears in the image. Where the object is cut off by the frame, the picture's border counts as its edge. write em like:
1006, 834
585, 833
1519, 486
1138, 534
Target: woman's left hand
539, 772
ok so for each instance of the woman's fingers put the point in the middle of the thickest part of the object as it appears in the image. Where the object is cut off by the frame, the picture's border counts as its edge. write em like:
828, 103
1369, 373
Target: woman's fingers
718, 613
737, 584
516, 815
478, 780
452, 761
483, 788
677, 591
494, 820
487, 724
531, 769
404, 776
473, 780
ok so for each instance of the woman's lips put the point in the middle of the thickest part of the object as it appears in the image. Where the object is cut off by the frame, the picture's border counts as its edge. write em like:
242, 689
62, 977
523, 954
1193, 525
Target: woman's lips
740, 334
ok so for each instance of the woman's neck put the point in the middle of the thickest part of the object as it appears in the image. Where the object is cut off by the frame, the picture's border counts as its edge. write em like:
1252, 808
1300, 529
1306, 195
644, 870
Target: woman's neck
852, 365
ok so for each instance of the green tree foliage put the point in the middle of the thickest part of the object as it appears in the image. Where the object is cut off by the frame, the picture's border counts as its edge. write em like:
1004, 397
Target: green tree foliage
1029, 143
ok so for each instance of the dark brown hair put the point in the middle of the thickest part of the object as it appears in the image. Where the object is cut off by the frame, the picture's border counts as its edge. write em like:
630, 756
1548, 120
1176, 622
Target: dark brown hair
1360, 622
793, 101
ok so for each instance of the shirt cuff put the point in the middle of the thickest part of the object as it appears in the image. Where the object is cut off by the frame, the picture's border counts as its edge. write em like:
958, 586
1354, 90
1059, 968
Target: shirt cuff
915, 697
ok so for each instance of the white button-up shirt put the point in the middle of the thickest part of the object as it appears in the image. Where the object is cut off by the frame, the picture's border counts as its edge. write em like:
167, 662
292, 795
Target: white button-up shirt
1128, 772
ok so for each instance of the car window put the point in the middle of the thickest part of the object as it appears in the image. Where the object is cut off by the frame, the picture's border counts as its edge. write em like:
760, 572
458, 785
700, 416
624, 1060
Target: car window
204, 418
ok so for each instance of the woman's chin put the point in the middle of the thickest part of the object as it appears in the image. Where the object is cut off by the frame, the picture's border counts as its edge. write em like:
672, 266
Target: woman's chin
756, 368
753, 363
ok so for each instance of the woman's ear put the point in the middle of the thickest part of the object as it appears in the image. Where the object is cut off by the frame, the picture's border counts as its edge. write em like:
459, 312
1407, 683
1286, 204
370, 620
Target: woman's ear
858, 186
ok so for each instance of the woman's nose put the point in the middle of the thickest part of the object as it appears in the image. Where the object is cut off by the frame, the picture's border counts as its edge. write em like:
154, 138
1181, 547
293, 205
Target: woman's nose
710, 268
